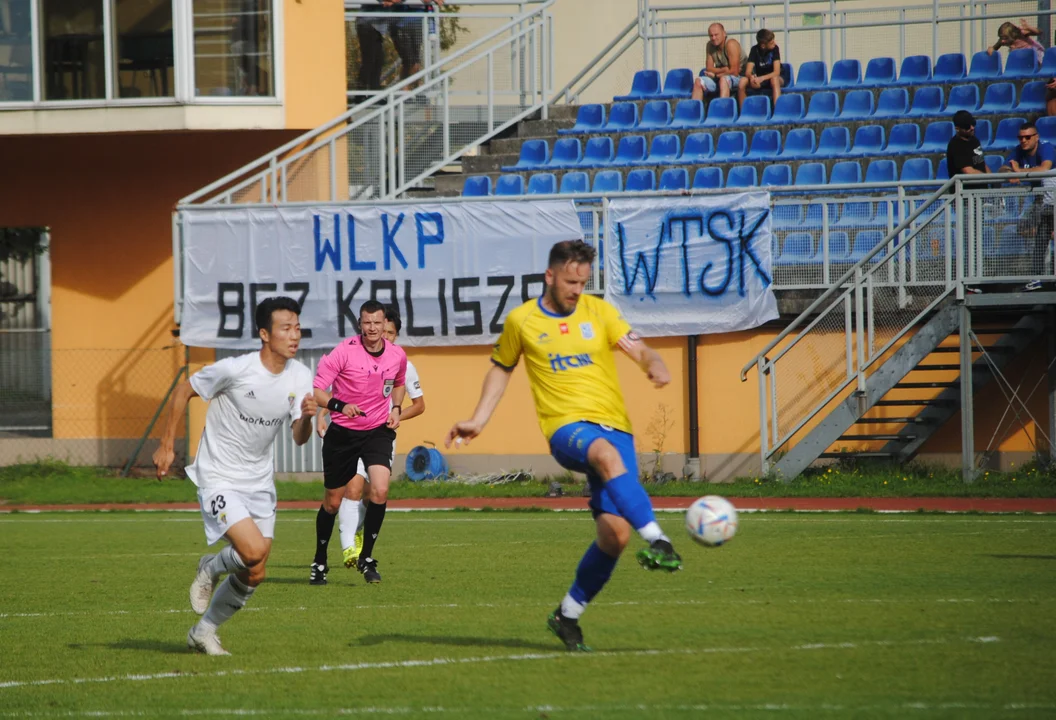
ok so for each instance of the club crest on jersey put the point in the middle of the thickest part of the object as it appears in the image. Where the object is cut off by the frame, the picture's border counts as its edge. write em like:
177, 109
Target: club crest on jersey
291, 397
587, 330
387, 390
564, 328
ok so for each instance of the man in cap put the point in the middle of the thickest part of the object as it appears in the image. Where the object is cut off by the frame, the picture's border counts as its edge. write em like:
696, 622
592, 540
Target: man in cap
964, 154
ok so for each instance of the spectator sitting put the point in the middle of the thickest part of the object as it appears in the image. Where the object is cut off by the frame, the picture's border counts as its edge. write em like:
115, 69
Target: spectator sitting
964, 154
722, 70
763, 71
1033, 155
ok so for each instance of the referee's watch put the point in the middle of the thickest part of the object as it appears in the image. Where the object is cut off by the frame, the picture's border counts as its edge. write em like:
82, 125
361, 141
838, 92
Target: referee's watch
398, 409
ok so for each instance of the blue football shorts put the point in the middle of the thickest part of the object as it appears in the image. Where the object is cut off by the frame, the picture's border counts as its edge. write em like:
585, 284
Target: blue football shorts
569, 447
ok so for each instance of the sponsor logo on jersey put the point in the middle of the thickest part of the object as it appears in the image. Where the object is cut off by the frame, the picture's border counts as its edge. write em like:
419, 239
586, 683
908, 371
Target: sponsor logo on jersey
559, 363
543, 338
250, 395
263, 422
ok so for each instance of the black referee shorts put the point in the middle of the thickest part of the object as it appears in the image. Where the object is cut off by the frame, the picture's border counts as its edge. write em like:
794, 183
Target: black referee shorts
343, 449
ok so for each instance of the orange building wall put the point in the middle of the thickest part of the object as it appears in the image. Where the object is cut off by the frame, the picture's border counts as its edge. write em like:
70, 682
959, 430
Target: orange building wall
314, 47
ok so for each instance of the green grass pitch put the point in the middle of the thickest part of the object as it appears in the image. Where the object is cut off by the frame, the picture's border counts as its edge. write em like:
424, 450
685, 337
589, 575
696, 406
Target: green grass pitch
801, 615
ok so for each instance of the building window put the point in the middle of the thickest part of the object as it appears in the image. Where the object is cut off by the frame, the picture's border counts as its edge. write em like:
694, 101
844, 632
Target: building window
145, 58
233, 51
16, 50
73, 49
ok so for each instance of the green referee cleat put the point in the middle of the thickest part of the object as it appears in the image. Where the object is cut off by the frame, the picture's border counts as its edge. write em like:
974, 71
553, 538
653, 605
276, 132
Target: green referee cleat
660, 555
568, 631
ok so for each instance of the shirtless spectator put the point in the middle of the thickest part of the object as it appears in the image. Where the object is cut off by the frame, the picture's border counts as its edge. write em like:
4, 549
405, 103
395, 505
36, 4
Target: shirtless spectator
722, 71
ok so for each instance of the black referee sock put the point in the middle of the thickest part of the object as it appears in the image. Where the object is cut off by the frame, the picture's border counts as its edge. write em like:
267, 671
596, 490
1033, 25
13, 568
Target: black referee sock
324, 528
371, 527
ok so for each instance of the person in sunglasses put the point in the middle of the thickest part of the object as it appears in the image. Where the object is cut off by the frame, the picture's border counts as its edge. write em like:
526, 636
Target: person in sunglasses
1034, 155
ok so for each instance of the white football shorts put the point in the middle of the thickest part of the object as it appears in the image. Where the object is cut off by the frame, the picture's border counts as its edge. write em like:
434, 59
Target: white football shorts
223, 507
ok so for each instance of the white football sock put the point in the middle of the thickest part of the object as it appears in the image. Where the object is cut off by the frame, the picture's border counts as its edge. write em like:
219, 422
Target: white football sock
348, 519
362, 514
572, 609
229, 598
226, 561
651, 532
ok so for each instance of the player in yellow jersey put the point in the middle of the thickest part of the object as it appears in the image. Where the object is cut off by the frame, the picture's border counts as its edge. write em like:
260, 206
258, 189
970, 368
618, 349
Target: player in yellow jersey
567, 339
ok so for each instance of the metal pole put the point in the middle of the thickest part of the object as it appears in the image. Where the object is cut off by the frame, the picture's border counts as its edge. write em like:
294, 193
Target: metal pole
1052, 385
693, 463
967, 412
150, 426
764, 466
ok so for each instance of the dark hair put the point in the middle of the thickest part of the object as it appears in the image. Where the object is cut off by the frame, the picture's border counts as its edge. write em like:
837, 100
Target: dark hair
568, 251
370, 307
1028, 125
392, 314
262, 316
764, 35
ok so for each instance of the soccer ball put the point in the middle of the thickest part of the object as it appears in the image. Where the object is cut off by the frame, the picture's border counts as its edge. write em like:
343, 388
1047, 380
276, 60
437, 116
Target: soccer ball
711, 520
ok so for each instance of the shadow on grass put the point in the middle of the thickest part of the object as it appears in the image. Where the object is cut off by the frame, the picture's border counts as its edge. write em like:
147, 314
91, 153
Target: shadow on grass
459, 641
141, 644
1023, 557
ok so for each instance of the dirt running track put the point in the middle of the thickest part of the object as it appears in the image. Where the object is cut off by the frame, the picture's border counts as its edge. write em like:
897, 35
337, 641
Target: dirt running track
990, 505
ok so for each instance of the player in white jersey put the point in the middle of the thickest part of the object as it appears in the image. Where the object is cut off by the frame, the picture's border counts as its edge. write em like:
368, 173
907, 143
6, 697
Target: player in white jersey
353, 505
251, 397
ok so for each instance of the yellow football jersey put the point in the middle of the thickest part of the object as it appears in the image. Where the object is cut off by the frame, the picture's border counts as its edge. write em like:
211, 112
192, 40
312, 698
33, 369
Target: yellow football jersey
570, 362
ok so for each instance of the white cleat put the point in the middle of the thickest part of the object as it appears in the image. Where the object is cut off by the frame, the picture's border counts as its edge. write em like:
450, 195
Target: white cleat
203, 585
205, 641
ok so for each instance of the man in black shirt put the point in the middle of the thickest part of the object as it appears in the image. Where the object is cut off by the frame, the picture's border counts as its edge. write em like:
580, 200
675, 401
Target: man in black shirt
964, 154
763, 71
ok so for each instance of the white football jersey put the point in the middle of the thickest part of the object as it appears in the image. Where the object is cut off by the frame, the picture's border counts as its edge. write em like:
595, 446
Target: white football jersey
414, 388
248, 407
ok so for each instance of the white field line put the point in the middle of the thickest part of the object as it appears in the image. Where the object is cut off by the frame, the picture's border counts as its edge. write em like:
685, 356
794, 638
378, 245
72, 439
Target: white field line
486, 659
504, 605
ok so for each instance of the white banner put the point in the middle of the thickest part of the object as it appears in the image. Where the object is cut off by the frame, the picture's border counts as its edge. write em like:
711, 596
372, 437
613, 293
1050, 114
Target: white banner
689, 266
455, 271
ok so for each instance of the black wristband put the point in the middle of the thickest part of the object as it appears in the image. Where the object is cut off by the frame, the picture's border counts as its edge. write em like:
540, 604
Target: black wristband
335, 405
397, 408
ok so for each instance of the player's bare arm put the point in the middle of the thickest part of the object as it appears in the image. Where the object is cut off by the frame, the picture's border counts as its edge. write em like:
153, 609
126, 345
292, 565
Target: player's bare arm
323, 398
165, 454
416, 408
398, 394
495, 383
302, 426
648, 360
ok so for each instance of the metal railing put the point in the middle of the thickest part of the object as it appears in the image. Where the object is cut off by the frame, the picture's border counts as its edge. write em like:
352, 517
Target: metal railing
833, 346
392, 141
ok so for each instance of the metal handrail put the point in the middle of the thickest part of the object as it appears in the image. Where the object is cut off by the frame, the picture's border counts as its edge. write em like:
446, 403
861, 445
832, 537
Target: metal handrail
374, 102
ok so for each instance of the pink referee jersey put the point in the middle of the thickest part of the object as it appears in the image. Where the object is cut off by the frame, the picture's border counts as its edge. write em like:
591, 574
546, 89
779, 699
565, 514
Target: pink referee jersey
363, 380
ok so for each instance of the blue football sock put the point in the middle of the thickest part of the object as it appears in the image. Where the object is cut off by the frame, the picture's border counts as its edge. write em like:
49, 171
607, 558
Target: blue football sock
631, 499
593, 572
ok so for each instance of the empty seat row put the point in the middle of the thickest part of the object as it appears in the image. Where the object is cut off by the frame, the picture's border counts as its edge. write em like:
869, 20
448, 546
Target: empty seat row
732, 146
998, 98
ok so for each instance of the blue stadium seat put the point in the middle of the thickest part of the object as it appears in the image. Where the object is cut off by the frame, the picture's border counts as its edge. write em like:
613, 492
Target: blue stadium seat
847, 172
509, 185
845, 74
839, 247
857, 105
646, 84
1020, 64
598, 152
985, 66
893, 103
674, 179
785, 217
916, 169
998, 99
949, 68
708, 178
1005, 138
568, 152
476, 186
688, 115
883, 210
864, 242
678, 84
589, 118
1047, 129
789, 109
994, 162
534, 156
1048, 64
630, 150
879, 72
1032, 97
574, 182
962, 97
904, 140
786, 75
766, 144
927, 101
835, 141
984, 132
798, 248
608, 181
698, 149
942, 172
663, 150
622, 116
881, 171
811, 173
742, 176
721, 112
916, 69
779, 175
640, 180
799, 143
656, 115
937, 136
755, 110
812, 75
813, 216
732, 145
868, 140
823, 107
542, 184
855, 214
